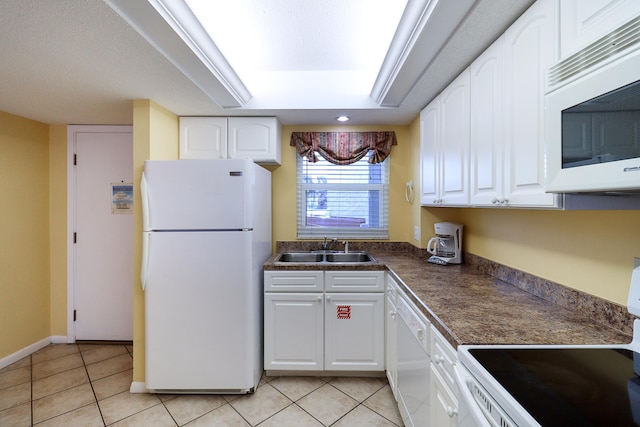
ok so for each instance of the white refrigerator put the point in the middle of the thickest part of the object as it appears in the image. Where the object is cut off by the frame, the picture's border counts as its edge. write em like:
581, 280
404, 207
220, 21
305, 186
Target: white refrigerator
207, 232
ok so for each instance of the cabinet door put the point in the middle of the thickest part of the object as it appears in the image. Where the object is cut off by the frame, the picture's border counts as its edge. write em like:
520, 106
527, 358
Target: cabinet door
584, 21
529, 49
257, 138
203, 137
354, 332
454, 142
444, 406
293, 331
429, 154
486, 128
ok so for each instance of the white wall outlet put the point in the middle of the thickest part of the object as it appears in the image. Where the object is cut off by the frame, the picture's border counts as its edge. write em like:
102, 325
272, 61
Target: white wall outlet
416, 233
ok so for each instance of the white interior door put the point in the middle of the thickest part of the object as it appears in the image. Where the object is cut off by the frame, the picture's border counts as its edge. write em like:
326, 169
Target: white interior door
103, 280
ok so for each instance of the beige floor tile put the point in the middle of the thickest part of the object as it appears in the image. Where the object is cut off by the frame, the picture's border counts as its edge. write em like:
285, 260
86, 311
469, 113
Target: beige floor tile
358, 388
54, 366
59, 382
327, 404
22, 363
297, 387
223, 416
62, 402
15, 377
113, 384
291, 416
87, 416
188, 407
53, 351
260, 405
363, 417
14, 396
92, 353
384, 404
18, 416
111, 366
156, 416
123, 405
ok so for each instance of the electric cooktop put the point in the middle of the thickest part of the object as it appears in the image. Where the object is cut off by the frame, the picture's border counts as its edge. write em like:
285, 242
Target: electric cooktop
569, 386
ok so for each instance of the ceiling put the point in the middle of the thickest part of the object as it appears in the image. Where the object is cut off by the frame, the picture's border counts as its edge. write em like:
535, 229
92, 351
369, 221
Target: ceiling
83, 61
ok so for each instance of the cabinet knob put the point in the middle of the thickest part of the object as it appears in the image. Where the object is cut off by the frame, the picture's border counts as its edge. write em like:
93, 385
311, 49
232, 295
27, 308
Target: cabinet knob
451, 411
437, 359
392, 314
319, 298
328, 297
494, 200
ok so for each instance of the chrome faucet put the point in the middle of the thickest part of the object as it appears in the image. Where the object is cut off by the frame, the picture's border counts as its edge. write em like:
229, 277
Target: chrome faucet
346, 246
326, 244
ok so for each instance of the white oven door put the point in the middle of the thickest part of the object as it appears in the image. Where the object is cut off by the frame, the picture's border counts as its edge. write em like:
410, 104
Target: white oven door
469, 412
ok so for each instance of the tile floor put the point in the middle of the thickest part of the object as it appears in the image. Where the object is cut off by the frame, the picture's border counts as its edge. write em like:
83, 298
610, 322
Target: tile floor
88, 385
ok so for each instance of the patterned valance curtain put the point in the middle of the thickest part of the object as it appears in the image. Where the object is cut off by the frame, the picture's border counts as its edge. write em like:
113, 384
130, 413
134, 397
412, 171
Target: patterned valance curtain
343, 148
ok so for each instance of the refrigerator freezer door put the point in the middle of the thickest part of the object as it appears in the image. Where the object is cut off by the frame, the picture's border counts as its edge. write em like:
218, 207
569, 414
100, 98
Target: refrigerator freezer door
198, 194
202, 313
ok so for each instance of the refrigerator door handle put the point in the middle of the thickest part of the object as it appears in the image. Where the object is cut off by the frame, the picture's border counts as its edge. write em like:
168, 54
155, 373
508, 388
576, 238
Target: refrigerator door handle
144, 195
145, 259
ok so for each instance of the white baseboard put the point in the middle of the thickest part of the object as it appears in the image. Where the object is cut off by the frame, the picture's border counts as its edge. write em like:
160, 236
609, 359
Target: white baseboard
138, 387
60, 339
28, 350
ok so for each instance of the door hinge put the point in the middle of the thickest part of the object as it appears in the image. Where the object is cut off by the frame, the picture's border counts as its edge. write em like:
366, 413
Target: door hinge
74, 315
75, 237
75, 160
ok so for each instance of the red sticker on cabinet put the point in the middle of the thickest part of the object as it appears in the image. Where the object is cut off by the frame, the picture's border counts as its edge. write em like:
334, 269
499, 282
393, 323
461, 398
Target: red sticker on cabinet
344, 312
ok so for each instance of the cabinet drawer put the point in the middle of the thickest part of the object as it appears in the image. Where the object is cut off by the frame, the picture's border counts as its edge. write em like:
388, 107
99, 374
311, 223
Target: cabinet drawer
293, 281
354, 281
443, 357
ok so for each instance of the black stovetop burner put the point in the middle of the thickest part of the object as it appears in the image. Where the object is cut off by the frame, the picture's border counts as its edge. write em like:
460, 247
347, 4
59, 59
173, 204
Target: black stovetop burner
569, 386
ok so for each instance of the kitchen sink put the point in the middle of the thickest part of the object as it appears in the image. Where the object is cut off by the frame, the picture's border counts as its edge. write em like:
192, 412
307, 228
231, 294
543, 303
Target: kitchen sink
300, 257
324, 256
349, 257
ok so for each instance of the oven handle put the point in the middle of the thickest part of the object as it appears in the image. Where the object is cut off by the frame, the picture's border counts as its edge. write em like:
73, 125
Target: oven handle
468, 401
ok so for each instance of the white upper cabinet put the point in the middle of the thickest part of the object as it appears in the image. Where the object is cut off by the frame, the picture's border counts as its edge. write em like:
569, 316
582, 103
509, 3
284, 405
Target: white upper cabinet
486, 128
429, 148
257, 138
203, 137
445, 146
529, 49
584, 21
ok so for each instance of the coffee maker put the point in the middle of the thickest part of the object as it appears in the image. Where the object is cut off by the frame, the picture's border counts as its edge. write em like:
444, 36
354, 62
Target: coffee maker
446, 246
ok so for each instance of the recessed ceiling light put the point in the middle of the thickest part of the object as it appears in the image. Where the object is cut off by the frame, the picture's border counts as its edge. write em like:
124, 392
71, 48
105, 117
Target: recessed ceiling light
342, 118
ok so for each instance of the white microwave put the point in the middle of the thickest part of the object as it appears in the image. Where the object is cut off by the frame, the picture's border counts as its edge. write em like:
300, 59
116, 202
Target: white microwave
592, 126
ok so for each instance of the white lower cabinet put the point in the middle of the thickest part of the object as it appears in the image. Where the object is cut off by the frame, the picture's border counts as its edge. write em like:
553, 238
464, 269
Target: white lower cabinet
307, 330
294, 331
443, 389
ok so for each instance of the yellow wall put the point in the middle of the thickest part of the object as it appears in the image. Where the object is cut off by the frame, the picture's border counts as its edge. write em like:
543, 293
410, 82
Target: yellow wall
24, 233
155, 137
591, 251
58, 226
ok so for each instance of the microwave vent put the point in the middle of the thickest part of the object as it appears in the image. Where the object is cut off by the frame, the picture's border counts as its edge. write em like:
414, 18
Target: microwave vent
625, 38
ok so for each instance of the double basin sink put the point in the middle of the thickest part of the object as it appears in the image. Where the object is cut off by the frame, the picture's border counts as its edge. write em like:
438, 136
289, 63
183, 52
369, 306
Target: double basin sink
315, 257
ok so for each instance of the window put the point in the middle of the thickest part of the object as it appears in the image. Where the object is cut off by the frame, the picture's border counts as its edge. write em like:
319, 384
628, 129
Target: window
347, 201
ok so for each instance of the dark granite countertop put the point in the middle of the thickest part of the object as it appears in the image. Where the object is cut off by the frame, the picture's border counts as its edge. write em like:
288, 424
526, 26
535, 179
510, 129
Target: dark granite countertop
470, 307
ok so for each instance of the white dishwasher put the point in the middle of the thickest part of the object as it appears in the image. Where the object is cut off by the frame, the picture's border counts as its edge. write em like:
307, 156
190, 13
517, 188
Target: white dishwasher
413, 365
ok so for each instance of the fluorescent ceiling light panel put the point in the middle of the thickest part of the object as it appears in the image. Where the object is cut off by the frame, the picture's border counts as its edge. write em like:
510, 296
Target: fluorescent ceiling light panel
327, 51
